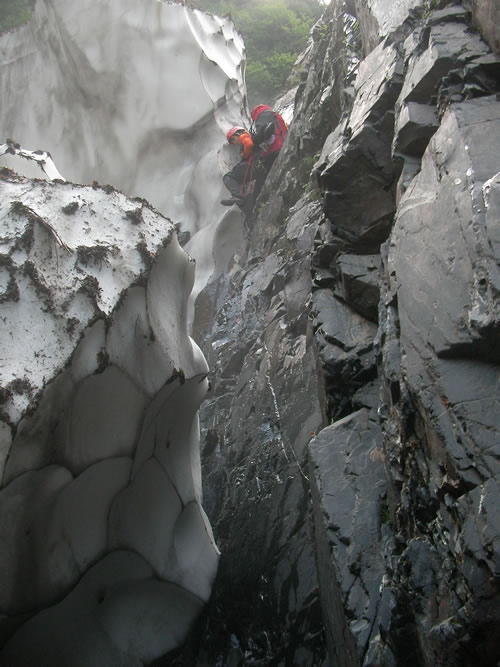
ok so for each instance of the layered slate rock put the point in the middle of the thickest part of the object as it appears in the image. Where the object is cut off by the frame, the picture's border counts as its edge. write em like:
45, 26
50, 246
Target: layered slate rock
434, 598
448, 303
445, 44
355, 163
261, 352
345, 346
446, 61
459, 316
416, 123
267, 401
403, 473
380, 18
348, 486
108, 554
486, 15
359, 283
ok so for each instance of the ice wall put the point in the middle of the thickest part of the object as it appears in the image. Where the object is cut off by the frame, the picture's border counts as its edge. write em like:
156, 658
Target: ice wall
136, 93
107, 555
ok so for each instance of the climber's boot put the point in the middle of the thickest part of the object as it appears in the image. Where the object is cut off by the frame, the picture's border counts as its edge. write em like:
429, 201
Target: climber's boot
231, 202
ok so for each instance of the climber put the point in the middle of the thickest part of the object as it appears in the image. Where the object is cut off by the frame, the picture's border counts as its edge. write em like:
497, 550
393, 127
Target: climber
260, 148
268, 133
239, 181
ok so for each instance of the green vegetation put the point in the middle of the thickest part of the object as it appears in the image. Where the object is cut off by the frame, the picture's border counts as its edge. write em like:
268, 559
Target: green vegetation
14, 13
275, 32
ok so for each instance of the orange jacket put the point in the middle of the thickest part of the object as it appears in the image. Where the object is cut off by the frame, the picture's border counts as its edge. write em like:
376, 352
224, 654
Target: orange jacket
247, 143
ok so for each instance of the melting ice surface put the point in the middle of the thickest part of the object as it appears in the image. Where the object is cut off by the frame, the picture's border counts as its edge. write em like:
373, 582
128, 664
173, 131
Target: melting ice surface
109, 554
138, 94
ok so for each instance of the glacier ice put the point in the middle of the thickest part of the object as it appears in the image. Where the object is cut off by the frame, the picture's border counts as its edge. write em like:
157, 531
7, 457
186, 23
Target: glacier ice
139, 94
110, 556
106, 542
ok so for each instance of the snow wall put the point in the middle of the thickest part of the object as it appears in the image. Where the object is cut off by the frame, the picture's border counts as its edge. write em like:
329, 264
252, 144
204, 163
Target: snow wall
108, 556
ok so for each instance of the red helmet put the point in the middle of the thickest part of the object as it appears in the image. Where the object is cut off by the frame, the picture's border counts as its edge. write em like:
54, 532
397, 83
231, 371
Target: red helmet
233, 131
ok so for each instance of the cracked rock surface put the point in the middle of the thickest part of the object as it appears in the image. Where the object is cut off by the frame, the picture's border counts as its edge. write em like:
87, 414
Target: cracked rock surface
397, 223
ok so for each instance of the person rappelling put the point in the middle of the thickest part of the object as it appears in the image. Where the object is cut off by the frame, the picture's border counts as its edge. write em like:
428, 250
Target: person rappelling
259, 148
240, 180
268, 132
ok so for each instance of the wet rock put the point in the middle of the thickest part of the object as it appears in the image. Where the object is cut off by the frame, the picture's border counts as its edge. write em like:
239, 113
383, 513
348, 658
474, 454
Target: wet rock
476, 79
460, 310
345, 345
416, 123
439, 49
486, 15
356, 157
417, 573
359, 283
340, 325
346, 463
368, 396
258, 438
378, 18
439, 369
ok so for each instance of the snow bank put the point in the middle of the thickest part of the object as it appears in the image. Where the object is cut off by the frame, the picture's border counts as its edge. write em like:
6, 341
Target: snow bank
100, 386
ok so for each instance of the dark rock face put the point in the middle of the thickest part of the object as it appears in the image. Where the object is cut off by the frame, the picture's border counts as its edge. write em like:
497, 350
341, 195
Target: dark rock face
347, 470
486, 14
351, 452
452, 268
256, 477
255, 329
355, 163
358, 284
449, 363
380, 18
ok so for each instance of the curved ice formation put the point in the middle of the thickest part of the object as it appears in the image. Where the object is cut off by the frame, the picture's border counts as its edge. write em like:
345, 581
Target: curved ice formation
136, 93
42, 158
107, 554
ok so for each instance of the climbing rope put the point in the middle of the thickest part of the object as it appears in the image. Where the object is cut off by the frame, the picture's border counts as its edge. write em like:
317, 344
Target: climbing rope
247, 179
